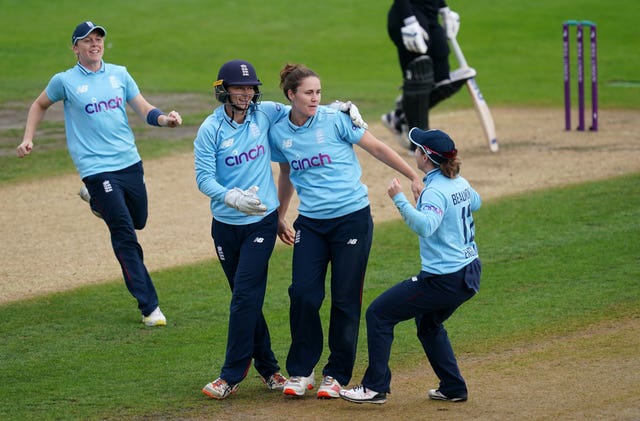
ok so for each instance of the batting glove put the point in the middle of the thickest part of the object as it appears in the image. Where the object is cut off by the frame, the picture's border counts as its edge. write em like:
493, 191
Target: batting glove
450, 22
351, 109
414, 36
246, 201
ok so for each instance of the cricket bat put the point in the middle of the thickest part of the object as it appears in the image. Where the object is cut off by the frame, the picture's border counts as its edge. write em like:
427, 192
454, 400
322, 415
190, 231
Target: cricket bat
482, 108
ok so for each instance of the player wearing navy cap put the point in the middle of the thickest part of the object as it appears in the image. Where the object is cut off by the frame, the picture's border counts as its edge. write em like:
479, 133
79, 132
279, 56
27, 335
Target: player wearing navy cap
103, 149
233, 168
314, 147
449, 275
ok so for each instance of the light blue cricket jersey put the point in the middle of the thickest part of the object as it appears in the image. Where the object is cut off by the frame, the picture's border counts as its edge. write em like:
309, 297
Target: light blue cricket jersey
99, 138
324, 167
228, 155
443, 220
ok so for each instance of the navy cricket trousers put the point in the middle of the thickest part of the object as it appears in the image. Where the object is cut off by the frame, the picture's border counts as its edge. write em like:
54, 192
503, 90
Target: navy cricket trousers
430, 299
345, 242
244, 252
121, 199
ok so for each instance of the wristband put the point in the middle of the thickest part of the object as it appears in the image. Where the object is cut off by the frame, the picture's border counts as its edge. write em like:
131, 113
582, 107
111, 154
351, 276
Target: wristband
152, 117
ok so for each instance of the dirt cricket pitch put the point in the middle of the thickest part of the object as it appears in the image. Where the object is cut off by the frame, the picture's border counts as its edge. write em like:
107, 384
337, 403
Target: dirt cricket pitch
51, 242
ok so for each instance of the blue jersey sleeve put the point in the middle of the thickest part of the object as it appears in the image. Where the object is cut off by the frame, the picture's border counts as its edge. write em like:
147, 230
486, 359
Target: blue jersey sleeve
131, 87
345, 129
205, 150
55, 88
423, 221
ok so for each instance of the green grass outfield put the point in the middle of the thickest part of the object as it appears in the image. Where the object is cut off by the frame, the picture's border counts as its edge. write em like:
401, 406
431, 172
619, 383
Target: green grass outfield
80, 355
178, 47
172, 48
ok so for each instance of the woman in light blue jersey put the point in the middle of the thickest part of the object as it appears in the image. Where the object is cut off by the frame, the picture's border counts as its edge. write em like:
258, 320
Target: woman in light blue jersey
233, 168
449, 275
103, 149
314, 146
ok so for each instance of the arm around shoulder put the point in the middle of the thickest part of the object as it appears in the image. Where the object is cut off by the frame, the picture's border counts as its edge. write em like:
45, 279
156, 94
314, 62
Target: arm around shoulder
383, 153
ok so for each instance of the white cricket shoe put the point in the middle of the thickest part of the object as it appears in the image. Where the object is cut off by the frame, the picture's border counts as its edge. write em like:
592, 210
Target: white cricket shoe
156, 318
298, 385
329, 388
276, 381
84, 195
219, 389
392, 122
396, 126
361, 394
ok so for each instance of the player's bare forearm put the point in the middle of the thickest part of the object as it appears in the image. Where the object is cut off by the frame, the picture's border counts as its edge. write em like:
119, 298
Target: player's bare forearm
285, 193
36, 113
383, 153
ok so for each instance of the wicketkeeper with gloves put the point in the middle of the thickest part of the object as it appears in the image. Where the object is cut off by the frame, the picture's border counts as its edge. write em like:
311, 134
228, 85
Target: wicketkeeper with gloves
233, 168
420, 30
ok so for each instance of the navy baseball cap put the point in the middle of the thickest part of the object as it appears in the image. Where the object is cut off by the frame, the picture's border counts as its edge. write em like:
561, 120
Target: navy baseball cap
438, 146
84, 29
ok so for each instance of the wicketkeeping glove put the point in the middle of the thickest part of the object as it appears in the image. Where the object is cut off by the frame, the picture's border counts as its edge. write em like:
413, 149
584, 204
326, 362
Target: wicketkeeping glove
450, 22
246, 201
352, 110
414, 36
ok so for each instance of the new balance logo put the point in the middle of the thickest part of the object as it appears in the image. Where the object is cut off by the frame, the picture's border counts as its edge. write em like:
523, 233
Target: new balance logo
258, 240
352, 242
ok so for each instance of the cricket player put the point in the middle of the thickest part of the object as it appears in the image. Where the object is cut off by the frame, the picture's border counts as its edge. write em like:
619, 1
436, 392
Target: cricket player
103, 150
449, 275
423, 53
315, 148
233, 169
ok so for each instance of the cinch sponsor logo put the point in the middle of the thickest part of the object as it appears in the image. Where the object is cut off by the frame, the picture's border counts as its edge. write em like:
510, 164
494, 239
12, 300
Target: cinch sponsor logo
315, 161
100, 106
432, 208
241, 158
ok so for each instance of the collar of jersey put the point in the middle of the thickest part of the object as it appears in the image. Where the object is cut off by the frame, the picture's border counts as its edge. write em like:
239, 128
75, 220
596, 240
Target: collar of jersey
306, 124
430, 175
87, 71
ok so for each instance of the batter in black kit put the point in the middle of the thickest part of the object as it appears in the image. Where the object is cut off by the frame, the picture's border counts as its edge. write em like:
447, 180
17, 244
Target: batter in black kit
423, 53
